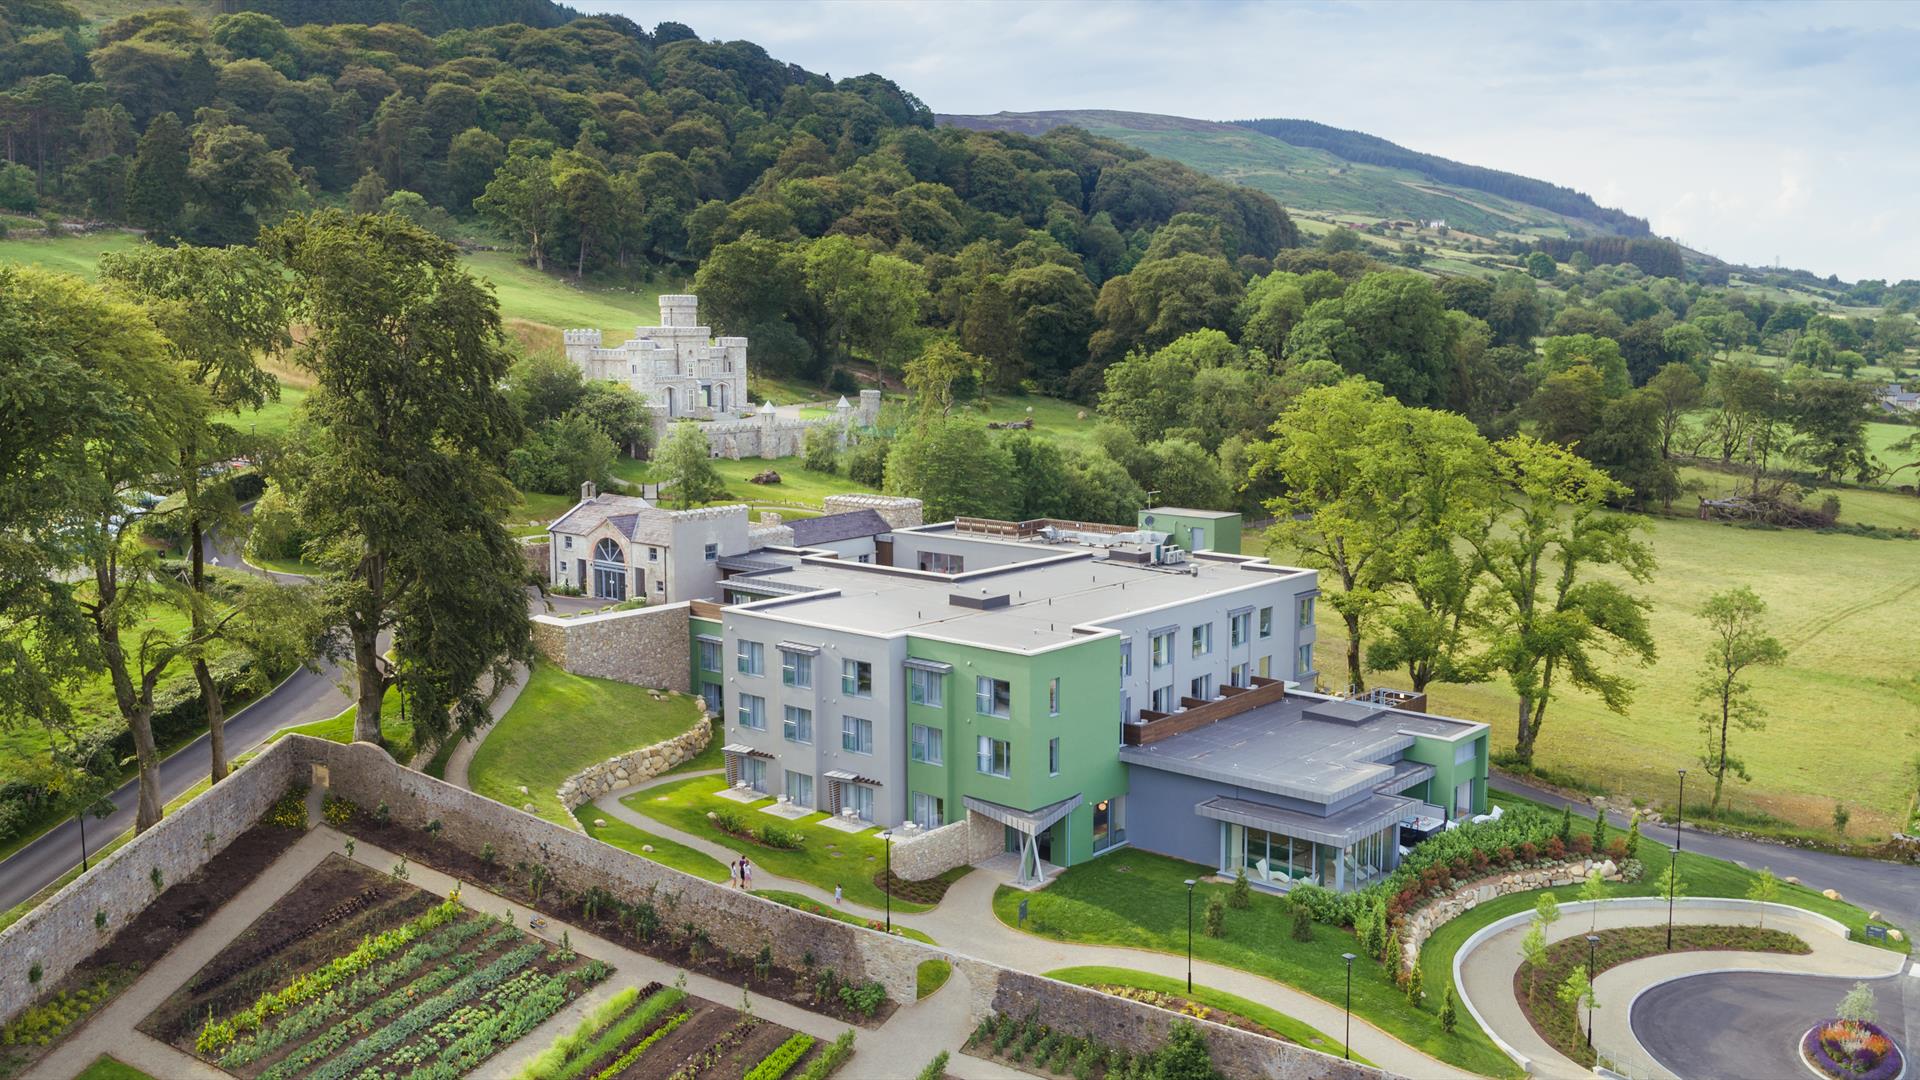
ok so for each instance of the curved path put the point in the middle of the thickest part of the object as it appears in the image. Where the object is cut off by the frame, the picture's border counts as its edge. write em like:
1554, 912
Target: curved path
1487, 966
1737, 1025
964, 923
503, 700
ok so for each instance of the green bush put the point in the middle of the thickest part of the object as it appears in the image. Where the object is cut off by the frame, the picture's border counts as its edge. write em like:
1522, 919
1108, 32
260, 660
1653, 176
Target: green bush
779, 836
783, 1058
936, 1068
729, 820
835, 1055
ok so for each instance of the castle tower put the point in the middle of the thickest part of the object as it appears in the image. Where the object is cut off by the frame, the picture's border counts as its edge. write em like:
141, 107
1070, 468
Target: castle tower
679, 310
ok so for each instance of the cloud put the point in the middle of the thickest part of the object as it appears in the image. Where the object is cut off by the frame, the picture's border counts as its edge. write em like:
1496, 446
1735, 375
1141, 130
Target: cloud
1750, 130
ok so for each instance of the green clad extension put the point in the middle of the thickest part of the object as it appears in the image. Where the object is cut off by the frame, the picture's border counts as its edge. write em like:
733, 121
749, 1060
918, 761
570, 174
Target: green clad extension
1195, 530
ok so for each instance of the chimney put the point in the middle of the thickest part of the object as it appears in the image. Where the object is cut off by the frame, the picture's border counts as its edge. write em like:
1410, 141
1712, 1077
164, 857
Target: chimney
587, 491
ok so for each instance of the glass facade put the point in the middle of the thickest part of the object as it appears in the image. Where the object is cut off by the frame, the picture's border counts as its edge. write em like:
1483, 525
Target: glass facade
1271, 858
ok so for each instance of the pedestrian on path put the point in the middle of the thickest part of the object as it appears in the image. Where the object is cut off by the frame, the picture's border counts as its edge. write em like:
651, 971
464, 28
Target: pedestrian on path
733, 873
836, 894
746, 872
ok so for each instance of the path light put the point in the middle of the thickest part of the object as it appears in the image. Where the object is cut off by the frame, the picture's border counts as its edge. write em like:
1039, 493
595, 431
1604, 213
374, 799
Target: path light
1593, 942
1348, 957
1190, 884
887, 838
1673, 857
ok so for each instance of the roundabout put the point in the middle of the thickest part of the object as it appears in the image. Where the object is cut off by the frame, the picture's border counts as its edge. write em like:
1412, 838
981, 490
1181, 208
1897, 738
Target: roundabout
1747, 1023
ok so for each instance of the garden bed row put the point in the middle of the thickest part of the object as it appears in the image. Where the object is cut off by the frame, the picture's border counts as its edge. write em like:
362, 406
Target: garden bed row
655, 1032
1033, 1047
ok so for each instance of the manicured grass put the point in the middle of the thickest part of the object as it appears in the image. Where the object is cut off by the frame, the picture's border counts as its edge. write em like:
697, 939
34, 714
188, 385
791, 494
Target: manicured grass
526, 293
709, 758
1305, 1034
808, 904
1053, 418
828, 858
78, 255
287, 566
1134, 899
930, 976
1843, 606
274, 417
798, 487
394, 728
563, 723
106, 1068
665, 852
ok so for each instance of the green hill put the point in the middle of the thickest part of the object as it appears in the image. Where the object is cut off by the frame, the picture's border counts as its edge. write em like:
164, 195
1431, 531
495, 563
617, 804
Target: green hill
1337, 174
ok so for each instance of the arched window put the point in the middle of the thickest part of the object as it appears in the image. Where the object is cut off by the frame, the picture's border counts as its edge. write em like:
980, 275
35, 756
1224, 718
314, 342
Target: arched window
609, 571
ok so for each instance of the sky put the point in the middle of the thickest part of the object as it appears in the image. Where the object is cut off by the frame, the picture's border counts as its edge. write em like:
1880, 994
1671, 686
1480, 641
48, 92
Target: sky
1756, 132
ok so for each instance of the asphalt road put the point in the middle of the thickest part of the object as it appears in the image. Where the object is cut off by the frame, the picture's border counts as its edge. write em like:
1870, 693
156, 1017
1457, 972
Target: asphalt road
1892, 889
1747, 1025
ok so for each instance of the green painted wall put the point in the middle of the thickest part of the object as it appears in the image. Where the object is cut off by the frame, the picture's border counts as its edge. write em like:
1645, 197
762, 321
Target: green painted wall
711, 628
1088, 727
1446, 774
1217, 533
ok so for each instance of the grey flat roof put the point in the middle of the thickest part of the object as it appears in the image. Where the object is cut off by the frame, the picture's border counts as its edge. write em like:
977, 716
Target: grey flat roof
1046, 598
1294, 748
1356, 822
1184, 511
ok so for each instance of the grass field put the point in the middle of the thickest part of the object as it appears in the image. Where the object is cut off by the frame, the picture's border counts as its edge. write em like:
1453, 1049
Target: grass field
795, 900
68, 254
395, 728
526, 293
665, 852
562, 723
106, 1068
1845, 707
1302, 1033
799, 487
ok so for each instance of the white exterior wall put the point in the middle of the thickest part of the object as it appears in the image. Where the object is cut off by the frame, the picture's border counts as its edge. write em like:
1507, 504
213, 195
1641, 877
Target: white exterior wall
676, 365
979, 552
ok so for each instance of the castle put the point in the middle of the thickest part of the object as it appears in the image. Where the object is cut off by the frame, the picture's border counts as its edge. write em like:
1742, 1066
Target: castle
678, 366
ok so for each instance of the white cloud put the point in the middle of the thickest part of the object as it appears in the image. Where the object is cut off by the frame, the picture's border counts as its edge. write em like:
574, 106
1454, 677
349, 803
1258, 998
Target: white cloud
1747, 130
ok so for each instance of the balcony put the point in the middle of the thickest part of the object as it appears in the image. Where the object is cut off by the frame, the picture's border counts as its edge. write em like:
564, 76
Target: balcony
1234, 700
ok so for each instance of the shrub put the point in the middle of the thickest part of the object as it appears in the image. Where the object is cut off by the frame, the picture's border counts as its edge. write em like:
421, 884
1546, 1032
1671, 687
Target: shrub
1415, 981
1242, 895
290, 810
781, 837
729, 820
783, 1058
864, 999
837, 1051
936, 1068
1448, 1016
337, 811
1215, 916
1632, 844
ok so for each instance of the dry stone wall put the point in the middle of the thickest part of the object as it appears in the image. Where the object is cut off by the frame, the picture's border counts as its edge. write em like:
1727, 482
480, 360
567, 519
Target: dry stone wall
1425, 920
973, 838
645, 646
637, 766
538, 555
898, 511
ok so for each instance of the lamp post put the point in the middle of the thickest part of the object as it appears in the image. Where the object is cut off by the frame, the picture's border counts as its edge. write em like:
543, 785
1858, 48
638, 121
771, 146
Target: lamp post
1593, 942
887, 838
1190, 884
1348, 1040
1673, 856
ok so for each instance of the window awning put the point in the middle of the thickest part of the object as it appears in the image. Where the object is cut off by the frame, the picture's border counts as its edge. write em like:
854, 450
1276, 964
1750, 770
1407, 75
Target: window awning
934, 666
743, 748
1341, 829
1027, 821
799, 647
850, 778
707, 639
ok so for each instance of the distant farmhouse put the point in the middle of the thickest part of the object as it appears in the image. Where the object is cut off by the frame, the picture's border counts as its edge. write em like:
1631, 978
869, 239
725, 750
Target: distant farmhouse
1897, 400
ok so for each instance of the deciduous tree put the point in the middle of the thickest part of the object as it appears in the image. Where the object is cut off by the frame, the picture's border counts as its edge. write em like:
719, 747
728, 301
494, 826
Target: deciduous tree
687, 474
1737, 641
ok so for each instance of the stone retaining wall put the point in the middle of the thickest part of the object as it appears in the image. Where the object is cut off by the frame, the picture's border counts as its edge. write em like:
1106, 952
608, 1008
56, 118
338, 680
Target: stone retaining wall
60, 933
932, 853
646, 646
639, 765
1424, 920
538, 555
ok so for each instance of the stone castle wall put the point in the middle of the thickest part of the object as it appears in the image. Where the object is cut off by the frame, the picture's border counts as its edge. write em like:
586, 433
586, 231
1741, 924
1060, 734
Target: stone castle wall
636, 766
767, 435
647, 646
898, 511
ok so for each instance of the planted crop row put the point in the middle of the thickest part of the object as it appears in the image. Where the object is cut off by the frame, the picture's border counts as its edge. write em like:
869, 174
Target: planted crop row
563, 1049
835, 1055
217, 1035
529, 1010
309, 1019
621, 1063
784, 1057
617, 1035
717, 1049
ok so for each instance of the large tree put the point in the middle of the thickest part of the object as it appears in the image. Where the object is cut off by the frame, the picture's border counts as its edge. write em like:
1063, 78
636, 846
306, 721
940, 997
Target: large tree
686, 467
956, 468
1737, 640
401, 483
1551, 614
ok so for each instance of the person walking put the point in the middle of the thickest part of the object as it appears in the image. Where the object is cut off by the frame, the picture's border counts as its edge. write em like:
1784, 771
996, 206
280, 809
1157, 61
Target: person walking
746, 873
733, 873
836, 895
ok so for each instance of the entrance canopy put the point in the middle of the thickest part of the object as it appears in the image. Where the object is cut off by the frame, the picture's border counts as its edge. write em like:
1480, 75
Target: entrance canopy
1029, 824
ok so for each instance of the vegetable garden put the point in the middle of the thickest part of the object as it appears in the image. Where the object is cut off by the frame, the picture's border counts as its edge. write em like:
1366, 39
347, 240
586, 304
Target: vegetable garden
655, 1031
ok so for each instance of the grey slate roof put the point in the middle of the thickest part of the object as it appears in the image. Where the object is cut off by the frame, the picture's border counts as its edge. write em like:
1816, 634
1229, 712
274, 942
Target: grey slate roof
835, 527
587, 515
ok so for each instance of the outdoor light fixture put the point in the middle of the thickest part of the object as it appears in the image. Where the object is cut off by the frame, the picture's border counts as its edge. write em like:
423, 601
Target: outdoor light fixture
1593, 942
1190, 884
887, 838
1348, 1042
1673, 857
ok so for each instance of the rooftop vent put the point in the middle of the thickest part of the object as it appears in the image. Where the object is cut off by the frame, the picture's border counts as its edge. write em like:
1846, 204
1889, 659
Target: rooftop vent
979, 601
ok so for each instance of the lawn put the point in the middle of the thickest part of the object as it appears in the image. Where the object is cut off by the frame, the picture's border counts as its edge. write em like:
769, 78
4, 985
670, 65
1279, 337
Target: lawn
395, 728
799, 487
1135, 899
562, 723
78, 255
274, 417
1305, 1034
828, 858
665, 852
106, 1068
526, 293
815, 907
1843, 607
1053, 418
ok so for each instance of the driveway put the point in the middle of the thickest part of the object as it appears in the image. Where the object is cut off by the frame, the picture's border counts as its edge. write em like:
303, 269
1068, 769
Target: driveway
1740, 1025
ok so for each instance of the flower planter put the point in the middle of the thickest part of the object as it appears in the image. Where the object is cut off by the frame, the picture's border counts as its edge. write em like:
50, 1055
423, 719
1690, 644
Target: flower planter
1863, 1052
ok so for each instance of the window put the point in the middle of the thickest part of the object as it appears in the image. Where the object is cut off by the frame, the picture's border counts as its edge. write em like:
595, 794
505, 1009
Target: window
929, 811
660, 586
859, 799
1109, 822
1237, 627
1266, 622
753, 712
1163, 648
1465, 752
713, 552
856, 678
1238, 675
1053, 696
796, 669
709, 656
653, 554
992, 697
1306, 612
711, 694
1126, 657
1163, 699
1053, 756
799, 724
856, 735
941, 563
929, 745
1303, 662
1201, 687
567, 542
1266, 667
995, 757
800, 788
749, 658
1203, 639
926, 688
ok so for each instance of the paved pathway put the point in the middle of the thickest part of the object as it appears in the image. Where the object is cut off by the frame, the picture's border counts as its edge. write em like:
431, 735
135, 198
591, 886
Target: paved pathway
964, 923
1737, 1025
462, 755
1487, 974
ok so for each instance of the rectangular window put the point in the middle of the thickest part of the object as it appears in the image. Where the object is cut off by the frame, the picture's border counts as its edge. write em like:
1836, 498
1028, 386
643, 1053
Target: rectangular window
1238, 674
709, 656
1126, 657
929, 811
1266, 622
1306, 612
1053, 696
1266, 667
1053, 756
1163, 649
713, 552
859, 798
750, 658
929, 745
800, 788
653, 554
995, 757
1163, 699
1203, 639
753, 712
1465, 752
941, 563
1201, 687
1238, 626
796, 669
856, 678
992, 697
799, 724
1303, 662
856, 735
712, 695
926, 688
